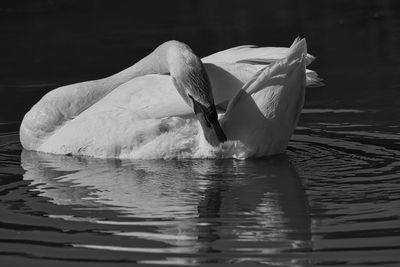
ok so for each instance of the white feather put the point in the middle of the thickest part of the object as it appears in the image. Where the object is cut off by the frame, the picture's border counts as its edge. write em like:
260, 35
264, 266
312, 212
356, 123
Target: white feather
145, 117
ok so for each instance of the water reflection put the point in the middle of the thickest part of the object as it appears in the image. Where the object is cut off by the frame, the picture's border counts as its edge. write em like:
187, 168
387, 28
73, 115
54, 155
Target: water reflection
203, 206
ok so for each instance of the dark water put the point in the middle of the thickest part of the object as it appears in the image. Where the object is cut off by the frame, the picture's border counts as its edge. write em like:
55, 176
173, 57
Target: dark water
333, 199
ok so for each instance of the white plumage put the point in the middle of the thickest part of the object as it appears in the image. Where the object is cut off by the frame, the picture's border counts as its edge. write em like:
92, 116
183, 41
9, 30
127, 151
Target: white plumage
262, 90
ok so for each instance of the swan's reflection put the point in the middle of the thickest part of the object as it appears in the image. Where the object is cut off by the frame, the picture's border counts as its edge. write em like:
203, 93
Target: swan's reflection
204, 205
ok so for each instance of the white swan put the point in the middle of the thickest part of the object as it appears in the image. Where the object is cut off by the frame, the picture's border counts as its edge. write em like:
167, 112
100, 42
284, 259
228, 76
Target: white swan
136, 115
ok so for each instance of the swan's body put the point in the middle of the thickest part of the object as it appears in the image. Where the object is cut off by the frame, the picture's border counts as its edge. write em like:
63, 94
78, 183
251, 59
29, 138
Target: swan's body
133, 115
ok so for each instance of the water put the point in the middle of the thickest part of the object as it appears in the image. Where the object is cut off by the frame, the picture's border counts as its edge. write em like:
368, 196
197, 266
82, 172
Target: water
333, 199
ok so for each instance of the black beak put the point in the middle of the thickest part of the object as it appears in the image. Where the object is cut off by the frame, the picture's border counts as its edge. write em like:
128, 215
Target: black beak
208, 119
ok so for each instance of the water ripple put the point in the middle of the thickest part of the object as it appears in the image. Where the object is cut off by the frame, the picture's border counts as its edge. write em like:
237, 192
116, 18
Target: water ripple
335, 194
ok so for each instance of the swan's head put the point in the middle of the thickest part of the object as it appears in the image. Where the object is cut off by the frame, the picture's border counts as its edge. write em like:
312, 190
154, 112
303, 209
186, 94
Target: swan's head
194, 86
191, 81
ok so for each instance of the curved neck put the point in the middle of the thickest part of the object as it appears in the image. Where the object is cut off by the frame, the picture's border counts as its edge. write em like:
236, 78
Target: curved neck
189, 78
172, 57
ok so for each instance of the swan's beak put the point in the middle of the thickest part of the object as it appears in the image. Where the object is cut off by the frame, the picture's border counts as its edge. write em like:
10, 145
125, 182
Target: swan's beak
208, 119
207, 116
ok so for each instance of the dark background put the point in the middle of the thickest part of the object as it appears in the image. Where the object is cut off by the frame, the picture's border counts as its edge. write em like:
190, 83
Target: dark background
46, 44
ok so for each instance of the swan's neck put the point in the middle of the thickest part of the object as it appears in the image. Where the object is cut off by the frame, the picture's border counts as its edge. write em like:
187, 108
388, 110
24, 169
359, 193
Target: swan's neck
190, 79
172, 57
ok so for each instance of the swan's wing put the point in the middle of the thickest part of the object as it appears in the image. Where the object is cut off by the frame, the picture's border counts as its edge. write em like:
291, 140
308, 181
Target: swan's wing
59, 106
146, 97
131, 116
260, 56
264, 113
64, 109
246, 53
227, 79
252, 54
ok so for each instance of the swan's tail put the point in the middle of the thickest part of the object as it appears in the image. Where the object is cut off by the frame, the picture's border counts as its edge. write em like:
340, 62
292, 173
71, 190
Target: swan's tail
299, 49
312, 79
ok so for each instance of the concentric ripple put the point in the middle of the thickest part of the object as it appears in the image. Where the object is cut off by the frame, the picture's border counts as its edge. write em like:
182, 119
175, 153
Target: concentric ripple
353, 187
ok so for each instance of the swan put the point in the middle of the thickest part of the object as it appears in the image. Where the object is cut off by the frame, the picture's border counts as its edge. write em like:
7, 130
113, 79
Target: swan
146, 111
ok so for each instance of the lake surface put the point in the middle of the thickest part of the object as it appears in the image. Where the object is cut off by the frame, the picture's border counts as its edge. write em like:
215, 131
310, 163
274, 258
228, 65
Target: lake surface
332, 200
